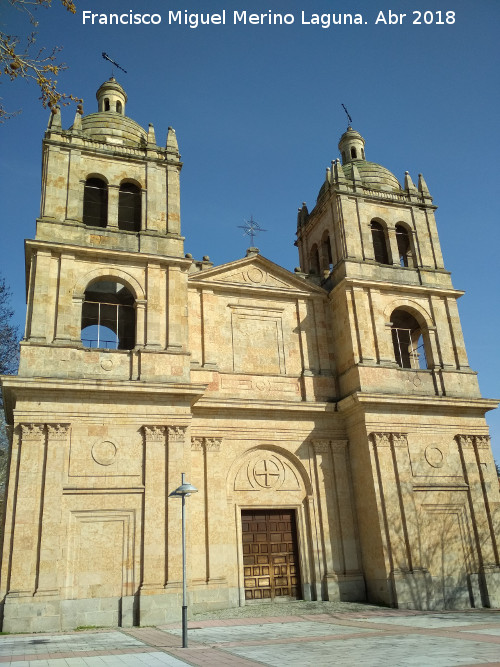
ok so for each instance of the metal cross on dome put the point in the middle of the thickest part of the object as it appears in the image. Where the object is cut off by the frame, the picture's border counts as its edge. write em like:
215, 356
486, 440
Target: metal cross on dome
251, 228
110, 60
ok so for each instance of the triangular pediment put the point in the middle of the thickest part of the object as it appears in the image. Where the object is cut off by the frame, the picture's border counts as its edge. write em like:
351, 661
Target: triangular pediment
255, 272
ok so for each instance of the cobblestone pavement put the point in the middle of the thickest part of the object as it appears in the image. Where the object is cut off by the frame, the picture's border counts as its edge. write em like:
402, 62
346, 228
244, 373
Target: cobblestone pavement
296, 635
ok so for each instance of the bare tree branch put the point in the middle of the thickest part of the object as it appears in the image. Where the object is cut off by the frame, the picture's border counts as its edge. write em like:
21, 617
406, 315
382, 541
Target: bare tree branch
20, 58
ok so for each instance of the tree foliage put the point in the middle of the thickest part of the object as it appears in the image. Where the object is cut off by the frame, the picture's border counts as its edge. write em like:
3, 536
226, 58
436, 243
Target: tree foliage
20, 57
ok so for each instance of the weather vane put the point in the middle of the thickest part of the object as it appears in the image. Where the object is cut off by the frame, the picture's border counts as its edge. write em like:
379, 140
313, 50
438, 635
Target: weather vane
251, 228
106, 57
348, 116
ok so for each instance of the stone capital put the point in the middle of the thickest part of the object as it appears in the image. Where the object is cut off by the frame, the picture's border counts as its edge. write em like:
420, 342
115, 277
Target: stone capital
154, 433
176, 433
196, 444
321, 446
207, 444
58, 431
339, 446
381, 439
32, 431
482, 441
400, 440
389, 439
465, 441
213, 444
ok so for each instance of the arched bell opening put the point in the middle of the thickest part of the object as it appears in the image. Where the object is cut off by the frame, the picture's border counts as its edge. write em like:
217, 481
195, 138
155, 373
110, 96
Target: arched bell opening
405, 250
379, 240
129, 207
95, 202
409, 340
314, 263
108, 316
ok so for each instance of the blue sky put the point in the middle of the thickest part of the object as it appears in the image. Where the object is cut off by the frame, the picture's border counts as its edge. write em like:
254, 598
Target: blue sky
257, 111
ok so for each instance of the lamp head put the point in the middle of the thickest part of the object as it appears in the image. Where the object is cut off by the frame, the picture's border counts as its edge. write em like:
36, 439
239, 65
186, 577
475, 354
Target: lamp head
185, 489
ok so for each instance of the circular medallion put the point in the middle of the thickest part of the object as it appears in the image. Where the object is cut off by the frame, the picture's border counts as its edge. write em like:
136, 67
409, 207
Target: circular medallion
106, 364
261, 385
104, 453
434, 457
266, 473
255, 275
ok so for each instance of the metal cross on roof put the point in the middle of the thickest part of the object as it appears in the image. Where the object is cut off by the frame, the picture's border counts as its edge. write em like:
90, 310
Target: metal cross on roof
110, 60
251, 228
348, 115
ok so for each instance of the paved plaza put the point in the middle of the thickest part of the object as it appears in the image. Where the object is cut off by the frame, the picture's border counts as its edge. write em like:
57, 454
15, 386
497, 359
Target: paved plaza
367, 637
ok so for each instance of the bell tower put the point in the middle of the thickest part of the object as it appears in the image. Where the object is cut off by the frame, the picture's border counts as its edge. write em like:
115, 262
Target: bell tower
106, 269
103, 390
407, 393
377, 243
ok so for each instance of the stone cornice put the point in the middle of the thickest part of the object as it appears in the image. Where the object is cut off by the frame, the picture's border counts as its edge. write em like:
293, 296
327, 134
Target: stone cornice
406, 288
402, 402
67, 139
19, 384
138, 258
259, 405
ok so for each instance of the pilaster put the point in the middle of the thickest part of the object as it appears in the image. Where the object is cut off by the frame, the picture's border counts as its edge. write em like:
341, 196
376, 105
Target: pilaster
214, 507
475, 454
393, 246
390, 492
27, 510
173, 200
364, 325
208, 330
155, 493
411, 583
178, 461
50, 541
343, 578
113, 197
155, 312
40, 296
176, 304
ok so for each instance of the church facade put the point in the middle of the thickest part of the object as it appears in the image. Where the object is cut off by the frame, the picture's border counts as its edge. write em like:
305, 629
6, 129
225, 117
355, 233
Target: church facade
328, 417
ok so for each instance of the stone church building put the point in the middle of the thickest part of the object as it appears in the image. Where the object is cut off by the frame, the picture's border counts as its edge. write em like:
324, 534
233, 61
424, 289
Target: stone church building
328, 417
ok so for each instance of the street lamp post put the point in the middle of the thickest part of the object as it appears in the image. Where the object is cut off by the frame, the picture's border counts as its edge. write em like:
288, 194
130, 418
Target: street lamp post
184, 490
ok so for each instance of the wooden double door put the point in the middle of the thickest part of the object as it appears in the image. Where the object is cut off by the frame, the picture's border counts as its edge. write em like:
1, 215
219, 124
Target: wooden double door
270, 555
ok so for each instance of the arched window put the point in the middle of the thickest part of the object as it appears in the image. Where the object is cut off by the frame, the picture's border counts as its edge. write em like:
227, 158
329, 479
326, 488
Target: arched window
95, 203
106, 104
408, 340
363, 153
129, 207
343, 157
404, 246
119, 107
314, 260
379, 243
326, 253
108, 316
353, 153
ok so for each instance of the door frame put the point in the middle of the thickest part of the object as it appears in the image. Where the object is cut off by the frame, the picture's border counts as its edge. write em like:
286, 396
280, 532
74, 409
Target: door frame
300, 526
